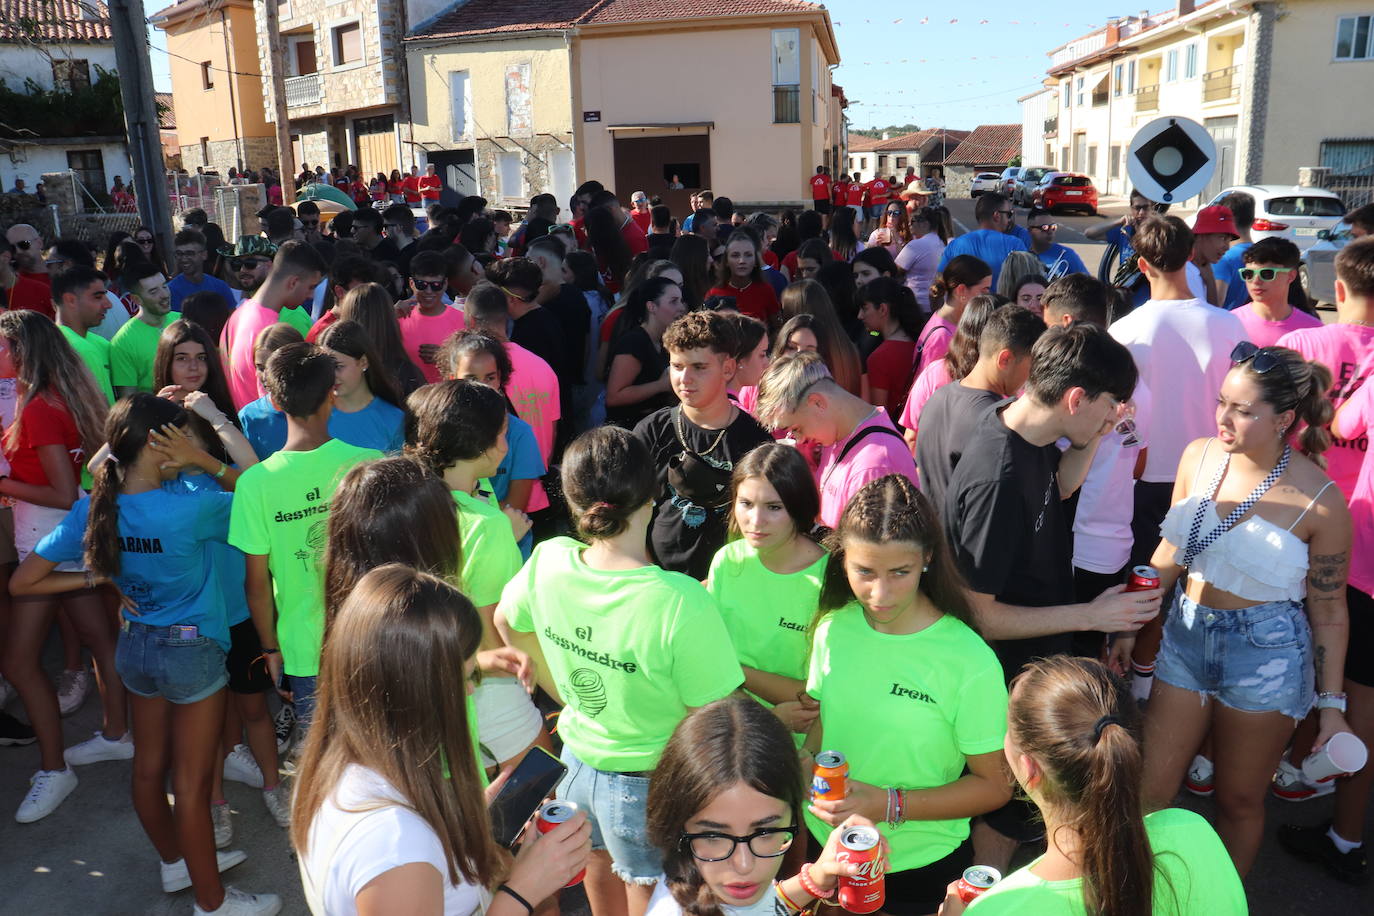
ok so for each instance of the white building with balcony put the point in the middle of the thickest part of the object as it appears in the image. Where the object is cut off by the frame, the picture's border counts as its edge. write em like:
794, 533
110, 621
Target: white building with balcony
1278, 86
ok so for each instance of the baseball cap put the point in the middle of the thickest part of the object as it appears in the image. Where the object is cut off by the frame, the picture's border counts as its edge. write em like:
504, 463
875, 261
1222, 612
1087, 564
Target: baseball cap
1215, 219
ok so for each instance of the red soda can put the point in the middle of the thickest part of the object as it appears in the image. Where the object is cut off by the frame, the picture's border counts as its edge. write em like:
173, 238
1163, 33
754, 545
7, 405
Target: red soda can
976, 881
550, 816
864, 892
1143, 578
828, 779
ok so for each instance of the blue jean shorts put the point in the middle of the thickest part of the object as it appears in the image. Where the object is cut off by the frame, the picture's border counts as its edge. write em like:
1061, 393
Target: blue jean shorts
1257, 659
152, 664
617, 804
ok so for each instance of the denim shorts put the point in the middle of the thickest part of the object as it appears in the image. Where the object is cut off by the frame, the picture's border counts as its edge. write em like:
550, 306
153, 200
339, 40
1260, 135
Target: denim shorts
1257, 659
616, 804
152, 664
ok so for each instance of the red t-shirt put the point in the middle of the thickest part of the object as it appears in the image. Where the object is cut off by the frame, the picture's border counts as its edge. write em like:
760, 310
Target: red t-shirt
841, 192
45, 422
757, 299
429, 186
33, 292
316, 329
634, 237
889, 369
856, 194
410, 186
642, 220
770, 258
820, 187
395, 187
877, 192
789, 264
580, 232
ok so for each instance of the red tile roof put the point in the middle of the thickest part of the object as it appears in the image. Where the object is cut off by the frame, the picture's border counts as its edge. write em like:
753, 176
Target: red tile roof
51, 21
988, 144
858, 143
482, 17
166, 114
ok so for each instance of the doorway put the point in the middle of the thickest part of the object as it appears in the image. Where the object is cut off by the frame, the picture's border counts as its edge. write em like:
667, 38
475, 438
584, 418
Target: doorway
648, 164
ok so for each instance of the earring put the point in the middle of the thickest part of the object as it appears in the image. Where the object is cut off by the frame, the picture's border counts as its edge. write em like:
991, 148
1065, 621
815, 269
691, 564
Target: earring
925, 568
1283, 430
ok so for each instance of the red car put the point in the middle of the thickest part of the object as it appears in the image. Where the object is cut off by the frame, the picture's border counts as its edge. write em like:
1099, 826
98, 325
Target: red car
1064, 191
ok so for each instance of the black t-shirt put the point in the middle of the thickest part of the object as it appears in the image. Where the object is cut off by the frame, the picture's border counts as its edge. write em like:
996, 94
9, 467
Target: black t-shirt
575, 318
1005, 522
947, 421
689, 527
403, 255
652, 361
386, 250
540, 332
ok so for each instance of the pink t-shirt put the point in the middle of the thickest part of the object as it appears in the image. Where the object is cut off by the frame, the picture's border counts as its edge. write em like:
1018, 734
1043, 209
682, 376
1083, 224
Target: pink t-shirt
1265, 333
932, 377
533, 391
934, 341
1348, 351
1355, 421
417, 329
878, 455
236, 340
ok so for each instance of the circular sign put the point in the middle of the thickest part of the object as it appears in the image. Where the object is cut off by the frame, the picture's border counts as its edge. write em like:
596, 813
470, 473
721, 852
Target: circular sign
1171, 159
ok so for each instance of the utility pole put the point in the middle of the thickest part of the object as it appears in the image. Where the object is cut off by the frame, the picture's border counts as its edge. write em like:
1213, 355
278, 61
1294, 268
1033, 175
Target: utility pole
129, 28
276, 95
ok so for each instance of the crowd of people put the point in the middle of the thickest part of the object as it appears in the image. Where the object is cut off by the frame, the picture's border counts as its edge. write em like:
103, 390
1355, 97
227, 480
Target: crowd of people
342, 509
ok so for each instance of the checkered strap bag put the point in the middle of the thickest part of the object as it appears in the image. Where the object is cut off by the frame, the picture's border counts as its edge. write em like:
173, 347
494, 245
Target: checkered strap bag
1197, 545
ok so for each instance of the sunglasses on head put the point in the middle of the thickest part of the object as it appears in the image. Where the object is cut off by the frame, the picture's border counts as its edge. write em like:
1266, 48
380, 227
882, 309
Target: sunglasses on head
1264, 273
526, 298
1262, 359
240, 263
432, 286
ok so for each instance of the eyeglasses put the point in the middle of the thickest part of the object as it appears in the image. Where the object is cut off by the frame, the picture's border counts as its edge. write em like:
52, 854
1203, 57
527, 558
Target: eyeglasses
1264, 273
768, 843
526, 298
144, 240
188, 252
431, 285
1047, 227
1262, 359
237, 264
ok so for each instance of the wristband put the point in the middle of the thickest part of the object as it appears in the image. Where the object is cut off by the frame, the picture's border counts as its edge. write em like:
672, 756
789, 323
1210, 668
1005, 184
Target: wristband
223, 469
810, 886
516, 897
1330, 701
786, 900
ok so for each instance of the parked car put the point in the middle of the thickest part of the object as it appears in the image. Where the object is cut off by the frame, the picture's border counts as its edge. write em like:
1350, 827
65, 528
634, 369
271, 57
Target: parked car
984, 181
1010, 175
1064, 191
1026, 183
1318, 270
1291, 212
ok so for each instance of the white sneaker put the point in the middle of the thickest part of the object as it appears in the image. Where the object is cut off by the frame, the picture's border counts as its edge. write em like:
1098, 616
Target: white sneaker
72, 690
278, 801
1291, 785
175, 876
240, 766
100, 748
224, 826
7, 693
1199, 778
47, 790
241, 903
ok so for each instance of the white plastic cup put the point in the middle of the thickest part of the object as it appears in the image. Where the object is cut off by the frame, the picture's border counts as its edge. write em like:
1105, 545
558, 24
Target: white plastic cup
1344, 753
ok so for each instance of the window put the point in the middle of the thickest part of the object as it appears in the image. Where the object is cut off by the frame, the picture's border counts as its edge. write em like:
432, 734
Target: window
1353, 40
1349, 157
786, 76
1118, 72
1080, 91
1115, 164
1190, 61
901, 162
460, 96
1305, 206
347, 44
207, 75
508, 174
89, 167
882, 163
69, 75
1130, 76
303, 56
1067, 98
205, 151
863, 163
1092, 159
1171, 66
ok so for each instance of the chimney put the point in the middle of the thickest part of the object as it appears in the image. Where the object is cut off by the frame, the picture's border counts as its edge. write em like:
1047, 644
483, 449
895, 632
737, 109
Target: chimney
1184, 8
887, 136
1113, 32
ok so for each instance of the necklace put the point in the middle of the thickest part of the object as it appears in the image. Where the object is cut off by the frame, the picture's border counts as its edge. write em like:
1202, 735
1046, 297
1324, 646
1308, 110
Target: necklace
682, 435
873, 618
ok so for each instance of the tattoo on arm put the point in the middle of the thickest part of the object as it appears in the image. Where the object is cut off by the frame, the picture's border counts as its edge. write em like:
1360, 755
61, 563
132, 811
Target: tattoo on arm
1327, 572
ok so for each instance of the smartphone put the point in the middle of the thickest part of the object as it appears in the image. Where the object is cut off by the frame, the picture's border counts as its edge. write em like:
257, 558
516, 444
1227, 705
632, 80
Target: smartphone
534, 780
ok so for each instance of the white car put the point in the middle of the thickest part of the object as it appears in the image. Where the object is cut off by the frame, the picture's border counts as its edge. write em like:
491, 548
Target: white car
1318, 271
985, 181
1291, 212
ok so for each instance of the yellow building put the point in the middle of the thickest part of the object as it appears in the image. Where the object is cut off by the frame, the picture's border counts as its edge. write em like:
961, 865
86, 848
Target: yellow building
510, 105
216, 90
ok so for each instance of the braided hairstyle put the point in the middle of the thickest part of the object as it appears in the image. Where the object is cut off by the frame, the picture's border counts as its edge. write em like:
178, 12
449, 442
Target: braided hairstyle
886, 510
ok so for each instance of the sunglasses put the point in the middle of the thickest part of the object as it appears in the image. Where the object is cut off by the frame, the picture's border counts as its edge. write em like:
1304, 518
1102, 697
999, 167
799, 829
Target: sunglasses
23, 245
1264, 273
144, 240
237, 264
1262, 359
527, 298
1047, 227
432, 286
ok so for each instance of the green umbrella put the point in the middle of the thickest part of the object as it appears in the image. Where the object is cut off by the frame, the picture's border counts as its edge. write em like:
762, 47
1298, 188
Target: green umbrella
325, 192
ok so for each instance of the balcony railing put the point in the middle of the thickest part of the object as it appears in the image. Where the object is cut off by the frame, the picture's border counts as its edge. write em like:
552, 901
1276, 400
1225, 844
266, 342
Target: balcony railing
786, 104
1220, 85
303, 90
1052, 126
1147, 98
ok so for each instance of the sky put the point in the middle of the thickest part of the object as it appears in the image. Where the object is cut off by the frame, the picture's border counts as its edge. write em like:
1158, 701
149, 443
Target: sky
923, 63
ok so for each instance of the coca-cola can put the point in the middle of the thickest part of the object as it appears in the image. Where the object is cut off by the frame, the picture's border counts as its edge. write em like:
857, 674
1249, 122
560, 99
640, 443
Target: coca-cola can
976, 881
864, 892
1143, 578
550, 816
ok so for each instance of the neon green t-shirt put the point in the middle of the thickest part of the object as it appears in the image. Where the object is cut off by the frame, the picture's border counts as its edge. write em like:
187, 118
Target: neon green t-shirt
491, 557
281, 511
133, 351
630, 651
1194, 876
766, 613
298, 318
906, 711
94, 351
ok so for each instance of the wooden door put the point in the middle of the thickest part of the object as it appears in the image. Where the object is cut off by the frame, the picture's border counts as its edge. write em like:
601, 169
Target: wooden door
376, 145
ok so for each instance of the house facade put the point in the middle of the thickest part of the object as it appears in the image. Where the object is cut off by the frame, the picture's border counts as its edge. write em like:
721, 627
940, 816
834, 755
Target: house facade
987, 148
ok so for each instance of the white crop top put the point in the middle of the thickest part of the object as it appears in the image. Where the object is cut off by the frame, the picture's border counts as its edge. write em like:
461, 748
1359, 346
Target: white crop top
1256, 560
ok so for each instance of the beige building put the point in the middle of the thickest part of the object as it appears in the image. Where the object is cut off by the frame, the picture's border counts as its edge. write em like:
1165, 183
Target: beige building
922, 150
510, 104
216, 90
1278, 85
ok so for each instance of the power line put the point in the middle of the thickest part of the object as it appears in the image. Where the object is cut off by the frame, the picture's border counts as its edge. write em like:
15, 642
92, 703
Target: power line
191, 60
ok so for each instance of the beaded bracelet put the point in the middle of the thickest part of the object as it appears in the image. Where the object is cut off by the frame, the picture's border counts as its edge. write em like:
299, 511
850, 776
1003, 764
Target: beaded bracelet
810, 886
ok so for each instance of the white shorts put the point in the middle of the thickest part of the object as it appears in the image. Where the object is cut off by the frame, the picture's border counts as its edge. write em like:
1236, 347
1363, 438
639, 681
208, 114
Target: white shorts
507, 719
32, 523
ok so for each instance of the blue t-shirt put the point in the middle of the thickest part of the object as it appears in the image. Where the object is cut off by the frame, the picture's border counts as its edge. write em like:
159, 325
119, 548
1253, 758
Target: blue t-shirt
166, 558
1060, 261
1121, 235
180, 288
522, 462
229, 566
1227, 270
989, 246
1022, 233
379, 425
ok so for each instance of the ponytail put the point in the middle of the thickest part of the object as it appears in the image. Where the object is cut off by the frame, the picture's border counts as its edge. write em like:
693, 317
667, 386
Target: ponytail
1299, 385
900, 302
962, 270
101, 541
1316, 410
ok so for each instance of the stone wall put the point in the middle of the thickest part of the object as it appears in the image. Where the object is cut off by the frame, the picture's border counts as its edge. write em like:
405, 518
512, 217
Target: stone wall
959, 180
534, 166
373, 82
224, 154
